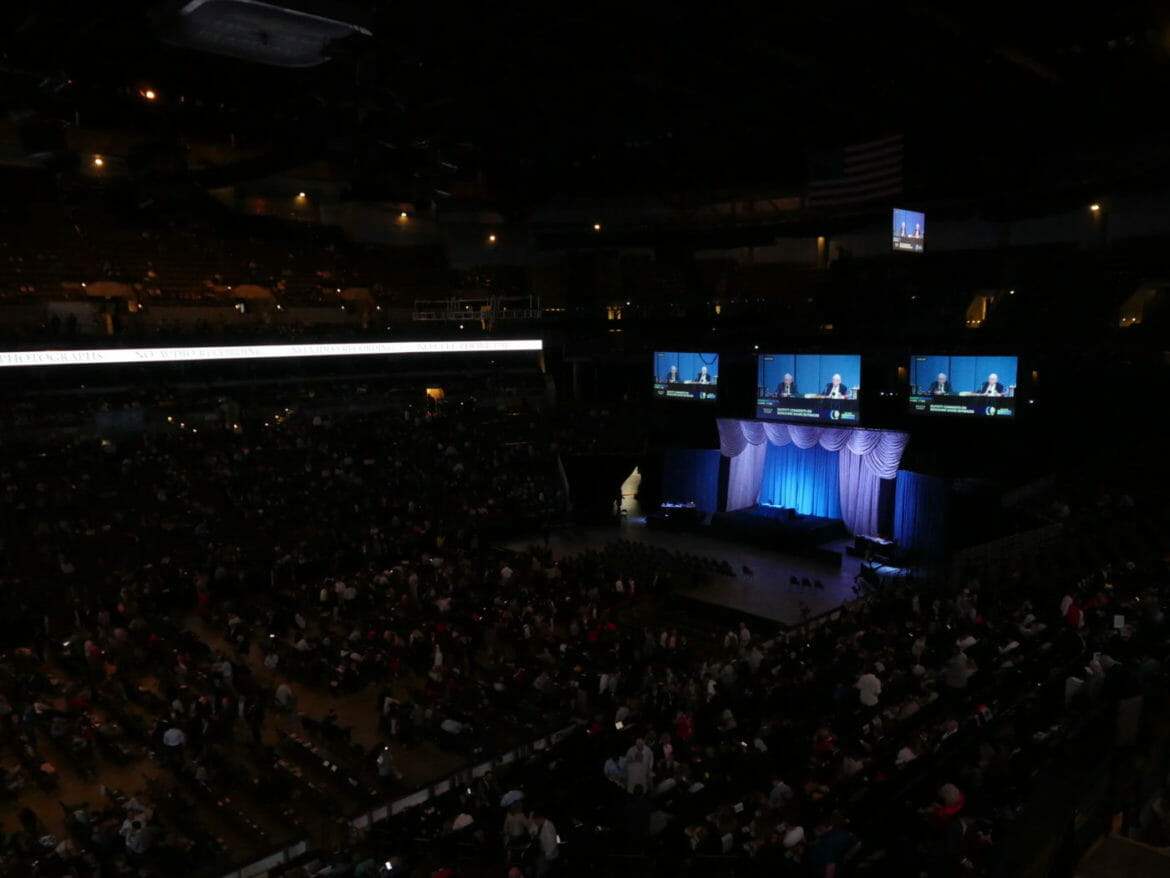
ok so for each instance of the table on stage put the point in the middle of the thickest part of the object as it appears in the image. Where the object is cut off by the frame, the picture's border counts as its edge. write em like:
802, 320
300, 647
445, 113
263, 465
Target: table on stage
676, 514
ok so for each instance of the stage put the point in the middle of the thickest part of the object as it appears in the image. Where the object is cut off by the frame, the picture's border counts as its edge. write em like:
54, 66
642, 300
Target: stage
783, 530
765, 592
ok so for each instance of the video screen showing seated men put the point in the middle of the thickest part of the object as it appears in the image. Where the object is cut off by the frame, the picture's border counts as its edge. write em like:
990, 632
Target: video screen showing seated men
809, 387
680, 375
946, 385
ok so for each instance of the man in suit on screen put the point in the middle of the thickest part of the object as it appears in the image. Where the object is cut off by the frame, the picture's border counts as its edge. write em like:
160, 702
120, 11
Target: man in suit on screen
835, 389
992, 387
672, 376
704, 377
787, 387
941, 386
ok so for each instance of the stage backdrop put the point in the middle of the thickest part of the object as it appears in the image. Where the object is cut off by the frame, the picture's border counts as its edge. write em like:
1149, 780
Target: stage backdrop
807, 480
863, 459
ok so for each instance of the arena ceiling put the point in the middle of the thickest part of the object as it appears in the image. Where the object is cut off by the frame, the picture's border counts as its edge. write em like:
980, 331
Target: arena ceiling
556, 100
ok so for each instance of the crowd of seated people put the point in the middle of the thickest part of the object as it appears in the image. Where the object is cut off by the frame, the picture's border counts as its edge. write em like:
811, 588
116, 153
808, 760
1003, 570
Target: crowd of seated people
327, 553
190, 395
904, 735
179, 594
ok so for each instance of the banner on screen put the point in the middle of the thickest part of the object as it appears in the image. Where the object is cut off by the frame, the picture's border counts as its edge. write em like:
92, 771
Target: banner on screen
114, 356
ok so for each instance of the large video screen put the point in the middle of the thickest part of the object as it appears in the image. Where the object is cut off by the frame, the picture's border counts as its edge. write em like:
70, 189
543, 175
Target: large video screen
983, 386
909, 230
679, 375
809, 387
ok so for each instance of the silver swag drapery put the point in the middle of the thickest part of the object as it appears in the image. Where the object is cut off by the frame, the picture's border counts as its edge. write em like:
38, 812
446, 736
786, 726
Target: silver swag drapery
864, 458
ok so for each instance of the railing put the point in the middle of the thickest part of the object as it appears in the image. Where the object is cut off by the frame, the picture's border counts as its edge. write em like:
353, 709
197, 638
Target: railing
363, 822
485, 308
270, 862
377, 815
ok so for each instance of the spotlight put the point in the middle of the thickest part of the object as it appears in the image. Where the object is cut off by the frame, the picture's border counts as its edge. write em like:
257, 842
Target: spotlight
402, 215
597, 227
98, 161
300, 195
149, 94
491, 239
1095, 207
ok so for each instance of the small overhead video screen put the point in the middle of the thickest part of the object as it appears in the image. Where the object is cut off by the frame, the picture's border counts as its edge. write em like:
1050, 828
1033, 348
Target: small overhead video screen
809, 387
680, 375
909, 230
980, 386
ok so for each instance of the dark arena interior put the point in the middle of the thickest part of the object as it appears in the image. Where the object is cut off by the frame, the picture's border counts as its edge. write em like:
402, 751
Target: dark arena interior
536, 441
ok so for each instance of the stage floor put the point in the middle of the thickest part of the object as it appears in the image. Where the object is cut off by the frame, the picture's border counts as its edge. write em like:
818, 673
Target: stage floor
765, 592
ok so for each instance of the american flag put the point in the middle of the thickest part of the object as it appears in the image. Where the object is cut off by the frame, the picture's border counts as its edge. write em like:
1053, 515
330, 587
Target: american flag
865, 172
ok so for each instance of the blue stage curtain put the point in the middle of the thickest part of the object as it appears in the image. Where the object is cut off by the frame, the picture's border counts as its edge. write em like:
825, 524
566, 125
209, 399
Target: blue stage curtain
807, 480
691, 474
920, 507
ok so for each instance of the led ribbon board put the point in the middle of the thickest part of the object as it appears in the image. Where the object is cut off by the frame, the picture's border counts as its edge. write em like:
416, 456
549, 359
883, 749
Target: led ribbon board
114, 356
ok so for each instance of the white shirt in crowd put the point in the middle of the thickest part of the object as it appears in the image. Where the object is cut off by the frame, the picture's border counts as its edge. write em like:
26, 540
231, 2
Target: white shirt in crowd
870, 687
284, 695
546, 836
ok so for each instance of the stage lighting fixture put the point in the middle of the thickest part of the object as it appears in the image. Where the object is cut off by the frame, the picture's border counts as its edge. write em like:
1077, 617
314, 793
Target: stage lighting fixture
1095, 207
597, 227
491, 239
149, 94
98, 161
